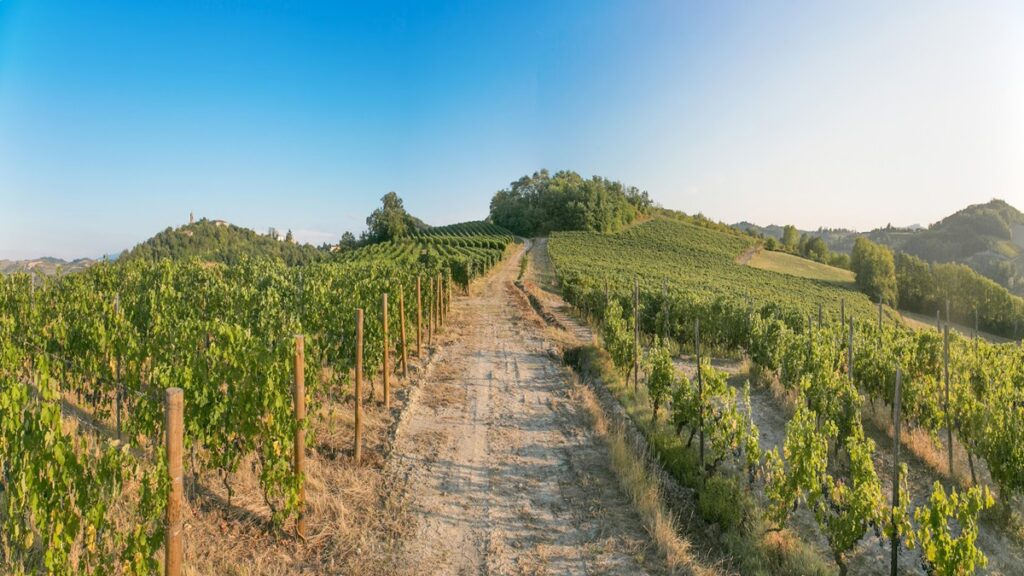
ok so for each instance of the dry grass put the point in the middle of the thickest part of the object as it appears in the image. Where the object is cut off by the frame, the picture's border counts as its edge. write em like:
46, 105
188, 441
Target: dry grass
643, 488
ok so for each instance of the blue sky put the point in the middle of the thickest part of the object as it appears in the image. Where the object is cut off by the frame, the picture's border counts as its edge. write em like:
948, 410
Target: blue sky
118, 118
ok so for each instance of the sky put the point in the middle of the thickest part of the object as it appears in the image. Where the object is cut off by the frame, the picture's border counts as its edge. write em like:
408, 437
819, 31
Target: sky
119, 118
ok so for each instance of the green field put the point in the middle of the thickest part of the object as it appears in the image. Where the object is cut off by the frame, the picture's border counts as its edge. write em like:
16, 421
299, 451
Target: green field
796, 266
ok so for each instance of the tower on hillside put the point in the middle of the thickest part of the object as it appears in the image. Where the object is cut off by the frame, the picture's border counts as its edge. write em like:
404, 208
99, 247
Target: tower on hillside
191, 217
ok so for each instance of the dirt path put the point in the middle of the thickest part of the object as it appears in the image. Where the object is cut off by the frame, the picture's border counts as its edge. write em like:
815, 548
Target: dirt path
504, 474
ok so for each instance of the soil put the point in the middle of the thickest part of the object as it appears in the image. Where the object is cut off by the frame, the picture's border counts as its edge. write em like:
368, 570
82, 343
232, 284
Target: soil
503, 472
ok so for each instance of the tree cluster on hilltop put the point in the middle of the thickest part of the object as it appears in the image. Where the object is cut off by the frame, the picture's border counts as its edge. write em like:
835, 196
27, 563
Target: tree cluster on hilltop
218, 241
539, 204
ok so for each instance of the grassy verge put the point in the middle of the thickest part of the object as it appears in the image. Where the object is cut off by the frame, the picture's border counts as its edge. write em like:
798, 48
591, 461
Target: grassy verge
726, 510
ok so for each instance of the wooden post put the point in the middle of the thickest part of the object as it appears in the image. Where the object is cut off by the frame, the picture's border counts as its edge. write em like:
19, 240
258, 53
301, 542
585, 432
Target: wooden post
419, 319
387, 353
117, 373
700, 392
879, 312
894, 562
174, 424
945, 378
405, 351
664, 308
448, 295
938, 320
849, 353
636, 333
947, 310
430, 313
299, 449
975, 330
359, 388
440, 300
842, 311
820, 315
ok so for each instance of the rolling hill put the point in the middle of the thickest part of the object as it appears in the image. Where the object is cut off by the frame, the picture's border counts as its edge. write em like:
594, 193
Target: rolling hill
989, 238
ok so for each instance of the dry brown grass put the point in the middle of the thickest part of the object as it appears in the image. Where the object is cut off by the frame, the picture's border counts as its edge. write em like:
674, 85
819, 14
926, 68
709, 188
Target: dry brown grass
643, 489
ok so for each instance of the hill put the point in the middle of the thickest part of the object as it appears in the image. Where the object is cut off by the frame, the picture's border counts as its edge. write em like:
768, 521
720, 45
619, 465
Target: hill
701, 272
802, 267
45, 266
219, 241
989, 238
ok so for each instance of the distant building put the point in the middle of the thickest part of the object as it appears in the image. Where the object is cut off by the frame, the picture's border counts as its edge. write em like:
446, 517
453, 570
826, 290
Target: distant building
191, 218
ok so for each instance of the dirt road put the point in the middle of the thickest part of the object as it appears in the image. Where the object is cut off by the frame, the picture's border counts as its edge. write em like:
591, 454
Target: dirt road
505, 476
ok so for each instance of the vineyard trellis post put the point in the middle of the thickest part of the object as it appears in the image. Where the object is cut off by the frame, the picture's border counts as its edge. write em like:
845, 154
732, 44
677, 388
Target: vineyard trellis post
894, 561
358, 450
607, 300
842, 311
431, 311
636, 333
299, 448
419, 317
849, 353
945, 378
387, 353
879, 312
938, 320
664, 309
820, 314
117, 373
174, 424
975, 330
700, 391
405, 351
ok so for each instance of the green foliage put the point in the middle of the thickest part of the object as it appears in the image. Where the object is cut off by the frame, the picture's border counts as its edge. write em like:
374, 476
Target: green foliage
704, 280
719, 502
217, 241
538, 204
875, 270
661, 374
948, 549
925, 288
790, 237
618, 336
222, 333
390, 221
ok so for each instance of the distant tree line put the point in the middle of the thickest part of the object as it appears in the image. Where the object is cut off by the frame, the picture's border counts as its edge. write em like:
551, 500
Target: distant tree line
913, 284
539, 204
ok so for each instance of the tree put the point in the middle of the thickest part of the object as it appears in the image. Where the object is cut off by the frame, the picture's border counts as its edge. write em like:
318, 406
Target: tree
390, 221
348, 241
875, 270
790, 237
816, 249
538, 204
289, 238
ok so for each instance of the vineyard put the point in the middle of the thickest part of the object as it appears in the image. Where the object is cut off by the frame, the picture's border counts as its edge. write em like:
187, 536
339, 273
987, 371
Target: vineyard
88, 484
676, 286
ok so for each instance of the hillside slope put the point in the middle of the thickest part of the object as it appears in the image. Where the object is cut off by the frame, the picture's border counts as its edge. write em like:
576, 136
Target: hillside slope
219, 241
987, 237
698, 268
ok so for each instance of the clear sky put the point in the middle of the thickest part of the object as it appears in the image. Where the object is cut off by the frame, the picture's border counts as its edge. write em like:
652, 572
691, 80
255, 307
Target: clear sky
118, 118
